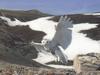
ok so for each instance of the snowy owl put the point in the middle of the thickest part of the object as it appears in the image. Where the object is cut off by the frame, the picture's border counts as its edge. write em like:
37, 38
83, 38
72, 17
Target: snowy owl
60, 41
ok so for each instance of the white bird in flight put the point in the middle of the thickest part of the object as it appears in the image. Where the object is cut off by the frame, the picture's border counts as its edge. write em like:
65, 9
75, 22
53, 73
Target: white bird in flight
60, 41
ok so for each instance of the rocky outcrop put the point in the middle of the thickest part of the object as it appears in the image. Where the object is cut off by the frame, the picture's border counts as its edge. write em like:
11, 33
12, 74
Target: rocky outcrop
15, 44
88, 64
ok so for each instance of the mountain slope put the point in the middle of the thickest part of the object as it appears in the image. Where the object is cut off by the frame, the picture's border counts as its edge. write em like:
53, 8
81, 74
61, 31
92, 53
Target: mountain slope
23, 15
15, 40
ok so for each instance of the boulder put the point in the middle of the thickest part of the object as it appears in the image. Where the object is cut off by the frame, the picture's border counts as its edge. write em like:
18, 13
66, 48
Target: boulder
89, 63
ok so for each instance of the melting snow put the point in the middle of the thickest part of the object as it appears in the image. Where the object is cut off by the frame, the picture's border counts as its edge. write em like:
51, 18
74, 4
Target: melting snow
40, 24
45, 57
83, 26
80, 43
61, 66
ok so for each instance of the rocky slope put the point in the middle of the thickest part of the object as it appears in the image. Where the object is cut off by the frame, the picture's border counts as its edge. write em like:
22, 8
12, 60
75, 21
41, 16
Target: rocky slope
14, 43
23, 15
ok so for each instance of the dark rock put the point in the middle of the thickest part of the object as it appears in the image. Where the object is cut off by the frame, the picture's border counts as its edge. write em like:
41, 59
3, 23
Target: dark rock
15, 44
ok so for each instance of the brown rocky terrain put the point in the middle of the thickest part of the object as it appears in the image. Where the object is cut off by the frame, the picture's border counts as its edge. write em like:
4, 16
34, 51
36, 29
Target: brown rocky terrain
12, 69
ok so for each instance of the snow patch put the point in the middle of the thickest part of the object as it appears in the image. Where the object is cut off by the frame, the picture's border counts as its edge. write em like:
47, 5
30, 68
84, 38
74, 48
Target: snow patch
61, 66
95, 14
45, 57
80, 43
40, 24
83, 26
